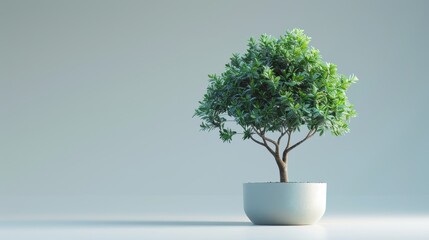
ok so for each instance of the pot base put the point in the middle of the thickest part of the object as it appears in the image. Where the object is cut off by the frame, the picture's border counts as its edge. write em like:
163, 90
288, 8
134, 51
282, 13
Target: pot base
284, 203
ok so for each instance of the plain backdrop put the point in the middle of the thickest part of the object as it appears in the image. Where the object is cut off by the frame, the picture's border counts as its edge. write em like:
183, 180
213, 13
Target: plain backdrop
97, 98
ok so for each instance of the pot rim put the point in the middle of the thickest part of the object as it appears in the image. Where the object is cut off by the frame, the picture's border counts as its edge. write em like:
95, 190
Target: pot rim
285, 183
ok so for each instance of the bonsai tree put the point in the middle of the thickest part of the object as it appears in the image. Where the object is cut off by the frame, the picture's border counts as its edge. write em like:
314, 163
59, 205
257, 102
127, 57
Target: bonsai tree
277, 87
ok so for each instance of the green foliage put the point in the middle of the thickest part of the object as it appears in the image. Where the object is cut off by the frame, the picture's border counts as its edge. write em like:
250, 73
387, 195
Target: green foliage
277, 85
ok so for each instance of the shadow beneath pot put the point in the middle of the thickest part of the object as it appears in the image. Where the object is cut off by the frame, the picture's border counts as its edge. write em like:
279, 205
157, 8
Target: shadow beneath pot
121, 223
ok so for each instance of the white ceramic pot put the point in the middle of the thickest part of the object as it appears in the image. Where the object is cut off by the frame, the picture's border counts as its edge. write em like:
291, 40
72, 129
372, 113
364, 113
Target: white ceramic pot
284, 203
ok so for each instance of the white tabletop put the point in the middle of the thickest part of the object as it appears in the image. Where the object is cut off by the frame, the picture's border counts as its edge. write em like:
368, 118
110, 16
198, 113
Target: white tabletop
207, 227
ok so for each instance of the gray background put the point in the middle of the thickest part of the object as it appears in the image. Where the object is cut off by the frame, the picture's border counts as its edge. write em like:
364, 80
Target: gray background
97, 98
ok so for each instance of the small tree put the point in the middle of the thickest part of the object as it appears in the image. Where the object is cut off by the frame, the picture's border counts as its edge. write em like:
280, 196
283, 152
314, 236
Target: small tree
276, 87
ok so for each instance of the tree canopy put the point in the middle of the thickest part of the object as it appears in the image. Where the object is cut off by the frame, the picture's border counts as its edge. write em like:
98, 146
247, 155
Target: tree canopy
277, 85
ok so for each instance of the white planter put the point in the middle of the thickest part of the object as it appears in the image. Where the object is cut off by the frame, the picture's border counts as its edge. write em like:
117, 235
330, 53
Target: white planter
284, 203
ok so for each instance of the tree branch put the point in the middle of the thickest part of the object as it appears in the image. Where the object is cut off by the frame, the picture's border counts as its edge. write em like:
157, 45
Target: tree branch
268, 147
287, 145
280, 138
265, 144
256, 141
265, 139
275, 153
309, 135
271, 141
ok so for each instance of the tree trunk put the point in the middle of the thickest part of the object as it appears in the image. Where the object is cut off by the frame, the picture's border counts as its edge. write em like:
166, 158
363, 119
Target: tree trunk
283, 169
283, 174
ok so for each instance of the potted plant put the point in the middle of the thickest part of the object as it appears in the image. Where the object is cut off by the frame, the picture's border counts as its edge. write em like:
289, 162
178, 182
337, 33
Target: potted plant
277, 87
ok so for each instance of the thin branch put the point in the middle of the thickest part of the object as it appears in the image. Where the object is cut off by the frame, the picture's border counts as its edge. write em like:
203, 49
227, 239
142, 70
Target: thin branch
287, 146
275, 153
289, 134
280, 138
256, 141
309, 135
270, 140
268, 147
265, 144
265, 139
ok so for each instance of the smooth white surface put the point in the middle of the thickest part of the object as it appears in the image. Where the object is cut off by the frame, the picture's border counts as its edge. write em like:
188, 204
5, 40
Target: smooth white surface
205, 227
284, 203
204, 217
